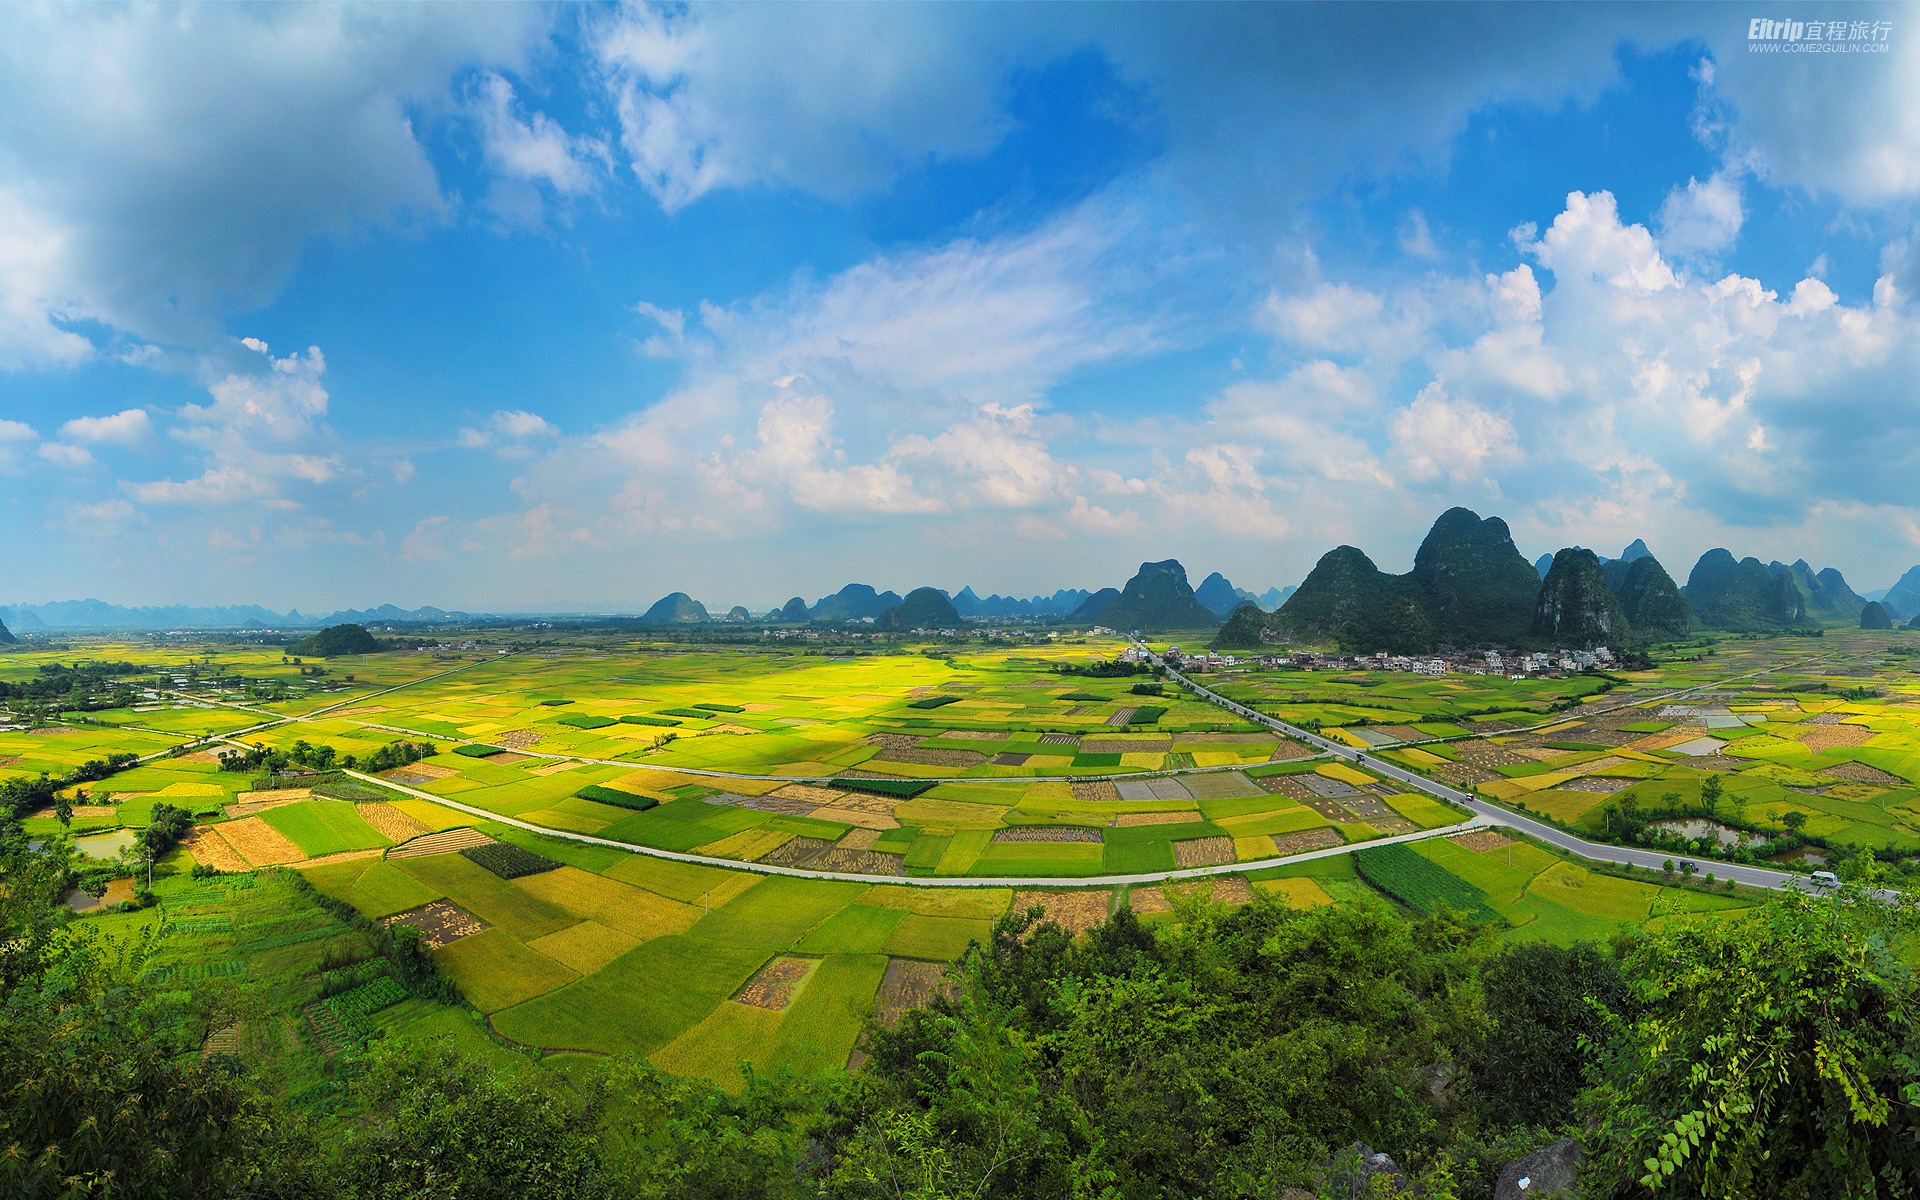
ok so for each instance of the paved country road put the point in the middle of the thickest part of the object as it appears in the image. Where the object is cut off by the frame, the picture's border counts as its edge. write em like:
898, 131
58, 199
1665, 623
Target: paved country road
923, 881
1492, 814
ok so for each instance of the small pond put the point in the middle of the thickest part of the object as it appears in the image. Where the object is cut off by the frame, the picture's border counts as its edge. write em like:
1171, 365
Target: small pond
104, 846
1699, 827
118, 892
1806, 855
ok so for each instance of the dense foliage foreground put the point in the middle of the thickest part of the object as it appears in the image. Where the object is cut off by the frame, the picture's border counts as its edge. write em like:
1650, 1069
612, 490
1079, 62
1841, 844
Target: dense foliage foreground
1235, 1053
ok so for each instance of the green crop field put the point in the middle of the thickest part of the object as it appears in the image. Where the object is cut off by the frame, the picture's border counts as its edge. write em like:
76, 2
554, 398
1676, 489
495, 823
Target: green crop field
321, 827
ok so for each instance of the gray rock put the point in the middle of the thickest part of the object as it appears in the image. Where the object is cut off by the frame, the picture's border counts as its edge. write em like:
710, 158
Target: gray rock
1370, 1164
1548, 1171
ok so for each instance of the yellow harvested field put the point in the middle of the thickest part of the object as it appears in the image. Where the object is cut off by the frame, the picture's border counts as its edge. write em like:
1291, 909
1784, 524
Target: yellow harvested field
392, 822
660, 781
78, 810
270, 799
631, 910
258, 842
1246, 849
1483, 840
418, 773
1147, 900
209, 849
1309, 839
1298, 893
327, 860
585, 947
445, 841
1203, 852
551, 768
191, 790
1179, 816
980, 903
431, 815
1220, 889
715, 885
810, 794
1216, 758
774, 985
1076, 912
748, 844
1344, 773
850, 816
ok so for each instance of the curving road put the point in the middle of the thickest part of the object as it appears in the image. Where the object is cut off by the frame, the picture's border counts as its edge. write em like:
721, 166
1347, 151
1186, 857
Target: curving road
925, 881
1485, 811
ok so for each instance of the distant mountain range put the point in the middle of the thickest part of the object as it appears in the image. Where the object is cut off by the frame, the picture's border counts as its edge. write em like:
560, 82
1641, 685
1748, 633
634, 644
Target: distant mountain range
98, 614
1902, 600
1220, 597
1636, 549
1160, 599
1062, 602
1470, 587
1748, 595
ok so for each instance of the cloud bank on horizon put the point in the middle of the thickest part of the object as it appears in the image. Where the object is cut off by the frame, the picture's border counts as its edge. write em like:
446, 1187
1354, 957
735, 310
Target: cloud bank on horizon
512, 306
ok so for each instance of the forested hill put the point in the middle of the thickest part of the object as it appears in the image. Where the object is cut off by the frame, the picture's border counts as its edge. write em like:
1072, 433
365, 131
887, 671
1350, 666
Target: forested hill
1747, 594
1157, 597
1470, 587
923, 608
336, 640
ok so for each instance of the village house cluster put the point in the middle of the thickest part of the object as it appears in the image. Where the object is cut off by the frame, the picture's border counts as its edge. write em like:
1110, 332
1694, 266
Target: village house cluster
1514, 665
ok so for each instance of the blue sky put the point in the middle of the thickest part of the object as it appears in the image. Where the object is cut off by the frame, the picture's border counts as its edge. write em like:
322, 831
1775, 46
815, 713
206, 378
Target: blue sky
534, 307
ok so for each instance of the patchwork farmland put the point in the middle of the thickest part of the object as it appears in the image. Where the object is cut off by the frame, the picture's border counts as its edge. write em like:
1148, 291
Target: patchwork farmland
839, 765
